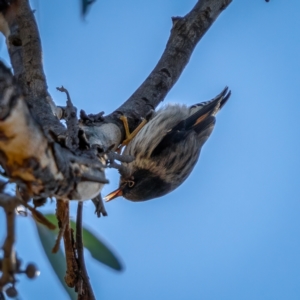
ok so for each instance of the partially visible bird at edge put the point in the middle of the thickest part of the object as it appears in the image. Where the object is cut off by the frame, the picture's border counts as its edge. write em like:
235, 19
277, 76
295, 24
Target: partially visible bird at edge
167, 148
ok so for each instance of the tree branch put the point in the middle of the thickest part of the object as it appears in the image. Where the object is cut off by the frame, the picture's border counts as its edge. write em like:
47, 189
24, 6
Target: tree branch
62, 214
9, 258
185, 34
86, 288
38, 165
24, 47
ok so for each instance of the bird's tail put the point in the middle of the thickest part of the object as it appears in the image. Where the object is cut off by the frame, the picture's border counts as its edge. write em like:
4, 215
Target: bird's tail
207, 109
203, 120
212, 106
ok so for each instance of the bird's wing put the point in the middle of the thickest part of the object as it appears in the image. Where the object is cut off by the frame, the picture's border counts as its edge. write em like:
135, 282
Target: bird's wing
201, 122
175, 136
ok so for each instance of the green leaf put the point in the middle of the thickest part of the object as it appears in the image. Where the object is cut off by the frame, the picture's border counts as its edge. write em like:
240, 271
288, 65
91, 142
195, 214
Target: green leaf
98, 249
57, 260
52, 218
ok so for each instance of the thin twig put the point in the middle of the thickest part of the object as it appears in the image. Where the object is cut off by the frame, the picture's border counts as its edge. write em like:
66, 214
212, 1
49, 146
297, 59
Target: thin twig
61, 233
72, 140
87, 291
8, 264
62, 214
38, 216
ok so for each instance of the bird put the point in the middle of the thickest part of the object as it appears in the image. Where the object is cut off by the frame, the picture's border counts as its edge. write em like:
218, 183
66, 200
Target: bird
166, 149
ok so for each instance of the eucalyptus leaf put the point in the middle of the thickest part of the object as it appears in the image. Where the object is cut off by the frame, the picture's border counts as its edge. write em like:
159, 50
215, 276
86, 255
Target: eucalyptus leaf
57, 260
98, 249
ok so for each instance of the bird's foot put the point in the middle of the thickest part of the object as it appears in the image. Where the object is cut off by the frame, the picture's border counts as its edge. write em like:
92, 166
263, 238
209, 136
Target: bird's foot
99, 206
129, 136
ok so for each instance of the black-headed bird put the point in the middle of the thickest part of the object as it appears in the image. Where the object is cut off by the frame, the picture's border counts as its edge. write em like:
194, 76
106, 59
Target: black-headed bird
167, 148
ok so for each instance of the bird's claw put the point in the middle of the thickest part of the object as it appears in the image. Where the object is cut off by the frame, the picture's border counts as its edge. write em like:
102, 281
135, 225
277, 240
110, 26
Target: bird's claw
129, 136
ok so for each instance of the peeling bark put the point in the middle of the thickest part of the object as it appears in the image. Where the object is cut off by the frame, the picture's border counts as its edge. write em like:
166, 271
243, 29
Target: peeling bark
24, 47
35, 162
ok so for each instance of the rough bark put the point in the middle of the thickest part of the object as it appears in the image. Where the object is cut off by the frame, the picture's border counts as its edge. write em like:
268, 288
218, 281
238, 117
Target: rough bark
186, 32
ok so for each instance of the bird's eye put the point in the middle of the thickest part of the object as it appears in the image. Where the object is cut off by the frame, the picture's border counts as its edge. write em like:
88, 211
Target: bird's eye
131, 183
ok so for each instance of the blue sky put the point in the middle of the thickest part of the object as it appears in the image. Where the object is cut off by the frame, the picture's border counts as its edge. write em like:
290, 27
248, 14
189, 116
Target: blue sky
232, 230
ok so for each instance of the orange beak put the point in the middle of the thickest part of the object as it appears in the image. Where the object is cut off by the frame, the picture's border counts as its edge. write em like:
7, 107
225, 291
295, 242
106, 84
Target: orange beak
113, 195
